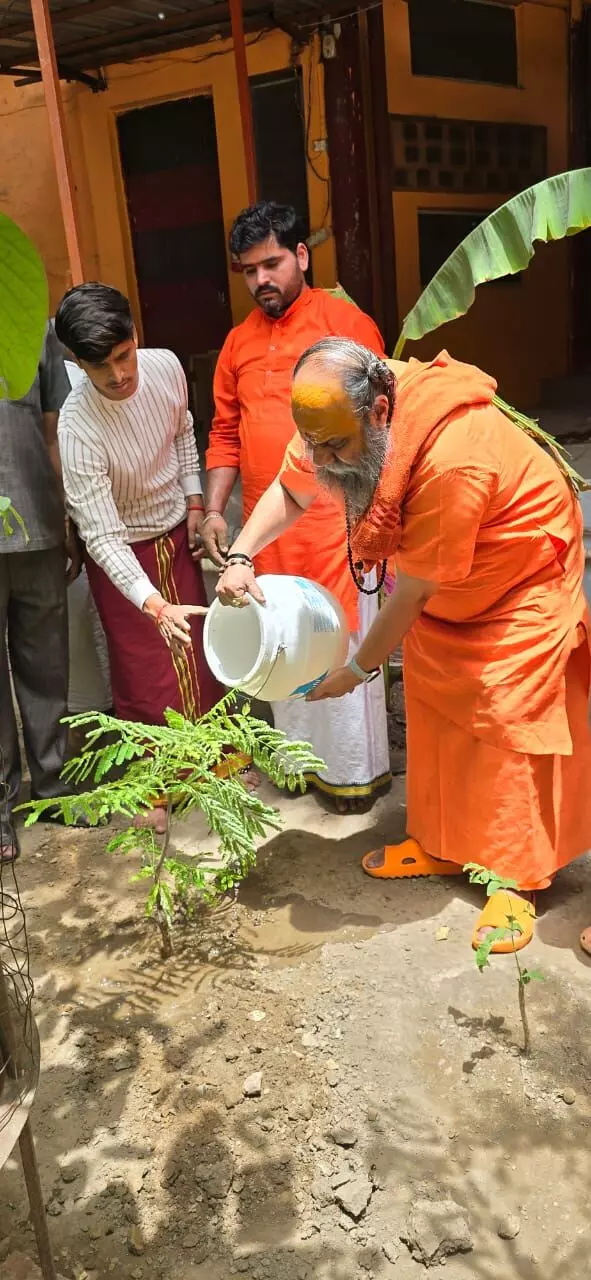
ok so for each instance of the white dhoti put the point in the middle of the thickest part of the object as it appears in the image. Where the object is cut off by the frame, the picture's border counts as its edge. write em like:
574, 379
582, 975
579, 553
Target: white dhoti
90, 683
350, 734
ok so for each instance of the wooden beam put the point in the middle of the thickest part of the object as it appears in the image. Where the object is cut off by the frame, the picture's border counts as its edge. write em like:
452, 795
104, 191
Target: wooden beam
32, 75
25, 25
55, 111
119, 37
150, 47
244, 98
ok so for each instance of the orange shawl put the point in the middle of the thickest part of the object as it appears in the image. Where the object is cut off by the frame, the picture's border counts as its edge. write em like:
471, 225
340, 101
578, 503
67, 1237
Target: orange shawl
427, 396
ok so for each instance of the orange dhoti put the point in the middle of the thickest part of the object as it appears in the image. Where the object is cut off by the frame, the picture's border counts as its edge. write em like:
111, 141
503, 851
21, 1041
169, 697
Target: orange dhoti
523, 815
496, 665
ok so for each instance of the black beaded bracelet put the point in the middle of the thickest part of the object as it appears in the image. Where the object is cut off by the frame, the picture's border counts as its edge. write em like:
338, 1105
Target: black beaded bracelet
237, 557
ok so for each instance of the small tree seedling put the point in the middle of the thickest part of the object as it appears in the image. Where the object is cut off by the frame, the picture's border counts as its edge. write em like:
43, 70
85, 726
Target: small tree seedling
512, 930
186, 766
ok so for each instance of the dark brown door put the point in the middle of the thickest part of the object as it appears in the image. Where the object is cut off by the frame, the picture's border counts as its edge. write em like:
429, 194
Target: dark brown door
358, 133
580, 157
170, 167
280, 142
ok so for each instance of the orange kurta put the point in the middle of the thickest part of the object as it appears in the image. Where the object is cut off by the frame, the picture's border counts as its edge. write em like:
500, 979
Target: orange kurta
253, 426
497, 665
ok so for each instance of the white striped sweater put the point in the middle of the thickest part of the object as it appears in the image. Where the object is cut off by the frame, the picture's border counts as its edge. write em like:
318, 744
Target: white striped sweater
128, 466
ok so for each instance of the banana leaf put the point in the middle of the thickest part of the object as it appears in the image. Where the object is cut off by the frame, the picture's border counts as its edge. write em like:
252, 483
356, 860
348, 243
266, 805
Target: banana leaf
24, 307
339, 292
501, 245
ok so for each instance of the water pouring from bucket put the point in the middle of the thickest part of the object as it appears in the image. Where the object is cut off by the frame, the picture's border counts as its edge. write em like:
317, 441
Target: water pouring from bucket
281, 649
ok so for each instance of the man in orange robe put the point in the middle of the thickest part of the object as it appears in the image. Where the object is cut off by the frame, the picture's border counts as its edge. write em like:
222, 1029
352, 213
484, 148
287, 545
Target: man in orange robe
485, 535
252, 427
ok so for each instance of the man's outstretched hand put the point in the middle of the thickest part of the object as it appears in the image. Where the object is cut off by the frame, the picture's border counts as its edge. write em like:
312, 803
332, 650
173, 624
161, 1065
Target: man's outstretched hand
173, 620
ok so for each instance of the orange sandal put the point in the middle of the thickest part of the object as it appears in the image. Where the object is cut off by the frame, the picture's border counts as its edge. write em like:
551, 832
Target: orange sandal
495, 915
409, 859
232, 765
585, 941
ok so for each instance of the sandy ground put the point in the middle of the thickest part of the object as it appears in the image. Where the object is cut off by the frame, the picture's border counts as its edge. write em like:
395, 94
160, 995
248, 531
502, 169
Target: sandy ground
390, 1074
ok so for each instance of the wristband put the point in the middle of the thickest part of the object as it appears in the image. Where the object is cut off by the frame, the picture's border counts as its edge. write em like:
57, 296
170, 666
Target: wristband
365, 676
195, 506
238, 557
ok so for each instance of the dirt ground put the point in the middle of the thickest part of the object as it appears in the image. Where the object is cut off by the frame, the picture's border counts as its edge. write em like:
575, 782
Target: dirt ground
391, 1109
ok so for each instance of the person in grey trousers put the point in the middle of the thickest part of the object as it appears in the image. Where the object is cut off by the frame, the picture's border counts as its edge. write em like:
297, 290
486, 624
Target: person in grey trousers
33, 582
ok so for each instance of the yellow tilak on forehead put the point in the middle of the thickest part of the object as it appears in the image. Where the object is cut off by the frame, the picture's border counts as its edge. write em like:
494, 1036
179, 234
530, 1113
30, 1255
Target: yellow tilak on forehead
322, 410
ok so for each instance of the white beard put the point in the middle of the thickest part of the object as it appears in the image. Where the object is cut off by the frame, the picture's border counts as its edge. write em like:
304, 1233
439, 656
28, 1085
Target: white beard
358, 481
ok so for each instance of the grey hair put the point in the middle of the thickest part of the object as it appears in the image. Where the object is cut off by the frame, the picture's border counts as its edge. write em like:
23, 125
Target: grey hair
364, 374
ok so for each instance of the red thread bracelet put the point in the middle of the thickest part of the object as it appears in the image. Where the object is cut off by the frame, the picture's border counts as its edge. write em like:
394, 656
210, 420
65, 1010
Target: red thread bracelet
161, 611
195, 506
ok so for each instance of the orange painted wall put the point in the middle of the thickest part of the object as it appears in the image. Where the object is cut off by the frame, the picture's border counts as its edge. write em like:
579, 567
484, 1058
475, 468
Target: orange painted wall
518, 332
177, 76
28, 189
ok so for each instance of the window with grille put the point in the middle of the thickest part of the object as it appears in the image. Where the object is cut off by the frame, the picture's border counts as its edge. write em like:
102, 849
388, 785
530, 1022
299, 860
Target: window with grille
431, 154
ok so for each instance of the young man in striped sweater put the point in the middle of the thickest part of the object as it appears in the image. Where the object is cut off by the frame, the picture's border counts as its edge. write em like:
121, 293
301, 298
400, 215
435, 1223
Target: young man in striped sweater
132, 485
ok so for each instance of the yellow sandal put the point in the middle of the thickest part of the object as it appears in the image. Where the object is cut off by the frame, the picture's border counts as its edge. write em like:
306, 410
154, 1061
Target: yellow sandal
495, 915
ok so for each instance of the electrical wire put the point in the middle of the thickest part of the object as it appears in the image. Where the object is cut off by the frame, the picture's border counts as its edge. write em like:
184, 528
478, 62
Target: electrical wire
306, 114
331, 19
161, 58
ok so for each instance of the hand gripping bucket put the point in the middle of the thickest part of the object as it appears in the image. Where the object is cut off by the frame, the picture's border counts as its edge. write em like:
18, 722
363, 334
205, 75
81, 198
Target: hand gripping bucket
281, 649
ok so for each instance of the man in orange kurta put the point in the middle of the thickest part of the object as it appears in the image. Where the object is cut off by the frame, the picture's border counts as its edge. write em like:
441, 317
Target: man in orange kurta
485, 536
252, 427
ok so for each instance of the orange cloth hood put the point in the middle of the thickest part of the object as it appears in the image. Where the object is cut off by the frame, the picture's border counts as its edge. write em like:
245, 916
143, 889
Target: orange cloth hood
427, 396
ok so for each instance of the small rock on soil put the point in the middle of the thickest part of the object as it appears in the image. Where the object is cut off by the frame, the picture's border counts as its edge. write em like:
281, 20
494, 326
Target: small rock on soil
253, 1085
509, 1227
436, 1230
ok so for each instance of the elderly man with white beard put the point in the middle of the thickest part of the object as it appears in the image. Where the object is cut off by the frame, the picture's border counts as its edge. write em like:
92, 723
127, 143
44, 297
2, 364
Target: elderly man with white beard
484, 532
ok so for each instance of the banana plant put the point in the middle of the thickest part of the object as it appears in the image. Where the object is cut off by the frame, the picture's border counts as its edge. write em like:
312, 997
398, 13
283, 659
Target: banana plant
24, 308
501, 245
504, 244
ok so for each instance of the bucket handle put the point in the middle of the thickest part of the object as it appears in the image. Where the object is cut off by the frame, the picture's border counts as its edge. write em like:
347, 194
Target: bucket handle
280, 650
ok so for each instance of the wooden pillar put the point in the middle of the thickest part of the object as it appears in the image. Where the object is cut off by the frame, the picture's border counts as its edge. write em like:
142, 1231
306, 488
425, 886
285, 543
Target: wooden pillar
579, 157
383, 173
345, 132
55, 111
370, 164
244, 98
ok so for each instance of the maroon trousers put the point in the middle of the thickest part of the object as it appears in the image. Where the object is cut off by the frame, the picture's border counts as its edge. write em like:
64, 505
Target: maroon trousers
146, 676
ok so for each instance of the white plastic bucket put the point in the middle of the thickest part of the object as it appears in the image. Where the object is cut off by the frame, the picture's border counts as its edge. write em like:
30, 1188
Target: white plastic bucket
281, 649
